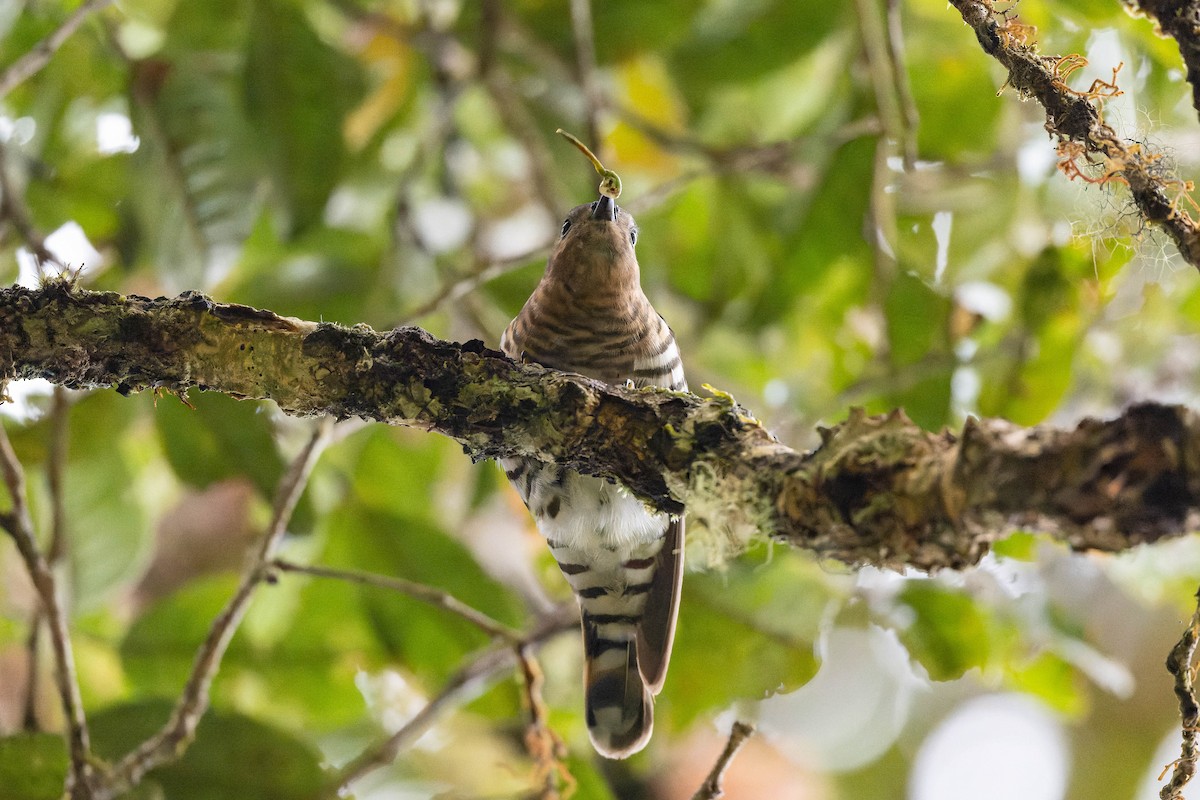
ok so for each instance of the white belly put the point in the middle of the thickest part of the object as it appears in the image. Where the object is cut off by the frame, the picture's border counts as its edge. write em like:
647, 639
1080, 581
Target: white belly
592, 514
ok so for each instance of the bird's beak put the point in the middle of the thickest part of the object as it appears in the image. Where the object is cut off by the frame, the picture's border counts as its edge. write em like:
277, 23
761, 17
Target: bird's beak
605, 209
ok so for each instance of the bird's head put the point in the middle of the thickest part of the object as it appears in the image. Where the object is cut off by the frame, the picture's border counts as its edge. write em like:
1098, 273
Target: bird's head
597, 242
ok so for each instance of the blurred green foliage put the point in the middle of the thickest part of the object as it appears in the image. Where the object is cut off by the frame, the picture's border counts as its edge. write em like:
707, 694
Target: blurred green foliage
388, 162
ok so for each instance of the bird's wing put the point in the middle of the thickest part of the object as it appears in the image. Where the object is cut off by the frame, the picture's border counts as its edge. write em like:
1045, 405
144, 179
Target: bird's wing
508, 341
656, 631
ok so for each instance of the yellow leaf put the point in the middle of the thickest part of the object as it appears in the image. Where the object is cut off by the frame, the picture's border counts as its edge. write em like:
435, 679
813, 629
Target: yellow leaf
392, 59
645, 88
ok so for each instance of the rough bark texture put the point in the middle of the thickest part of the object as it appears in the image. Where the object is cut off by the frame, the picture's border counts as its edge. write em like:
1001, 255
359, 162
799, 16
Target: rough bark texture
1179, 19
1074, 117
879, 490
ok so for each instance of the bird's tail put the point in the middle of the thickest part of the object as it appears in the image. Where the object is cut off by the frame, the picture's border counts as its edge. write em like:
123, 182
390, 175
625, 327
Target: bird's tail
620, 707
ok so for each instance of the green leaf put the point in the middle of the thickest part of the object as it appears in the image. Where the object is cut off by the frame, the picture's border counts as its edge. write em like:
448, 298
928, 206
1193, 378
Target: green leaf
1019, 546
622, 28
824, 235
194, 173
298, 90
33, 766
327, 274
427, 640
765, 617
160, 647
110, 531
589, 779
232, 756
916, 319
717, 245
918, 334
954, 90
950, 633
106, 521
217, 29
739, 42
305, 676
396, 472
1051, 679
219, 438
1031, 383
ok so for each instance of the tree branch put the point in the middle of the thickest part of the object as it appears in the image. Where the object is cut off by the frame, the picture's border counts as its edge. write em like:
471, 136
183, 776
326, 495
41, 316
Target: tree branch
1080, 126
19, 525
28, 64
879, 490
542, 743
1179, 19
176, 735
418, 591
1180, 665
470, 680
13, 209
712, 788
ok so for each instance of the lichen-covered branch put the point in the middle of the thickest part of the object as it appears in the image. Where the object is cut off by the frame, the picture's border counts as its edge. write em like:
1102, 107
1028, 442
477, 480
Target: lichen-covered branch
1179, 19
1180, 663
879, 490
1076, 120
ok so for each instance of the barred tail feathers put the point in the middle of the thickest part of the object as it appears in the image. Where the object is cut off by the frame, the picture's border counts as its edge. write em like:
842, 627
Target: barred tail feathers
618, 704
613, 587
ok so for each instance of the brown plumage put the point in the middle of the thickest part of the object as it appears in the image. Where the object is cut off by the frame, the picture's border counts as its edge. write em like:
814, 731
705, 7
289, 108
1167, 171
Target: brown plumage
624, 562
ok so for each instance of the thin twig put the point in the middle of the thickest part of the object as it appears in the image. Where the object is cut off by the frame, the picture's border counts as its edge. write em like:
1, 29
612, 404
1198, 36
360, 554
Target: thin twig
484, 272
585, 65
29, 720
543, 744
510, 105
13, 209
711, 789
464, 684
882, 213
1179, 664
27, 65
880, 68
19, 525
56, 463
417, 591
524, 126
904, 94
172, 740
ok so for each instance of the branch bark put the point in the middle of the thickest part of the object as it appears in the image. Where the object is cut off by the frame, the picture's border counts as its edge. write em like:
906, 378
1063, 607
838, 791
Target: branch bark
1179, 19
879, 490
1076, 120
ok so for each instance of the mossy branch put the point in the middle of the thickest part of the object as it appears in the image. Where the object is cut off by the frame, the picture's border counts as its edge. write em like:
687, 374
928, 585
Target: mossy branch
879, 490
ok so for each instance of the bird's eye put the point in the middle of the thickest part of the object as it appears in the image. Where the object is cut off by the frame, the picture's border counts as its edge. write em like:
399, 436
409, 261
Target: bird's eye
566, 227
633, 236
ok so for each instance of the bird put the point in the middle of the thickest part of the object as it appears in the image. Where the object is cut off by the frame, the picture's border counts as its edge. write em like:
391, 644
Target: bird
624, 561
